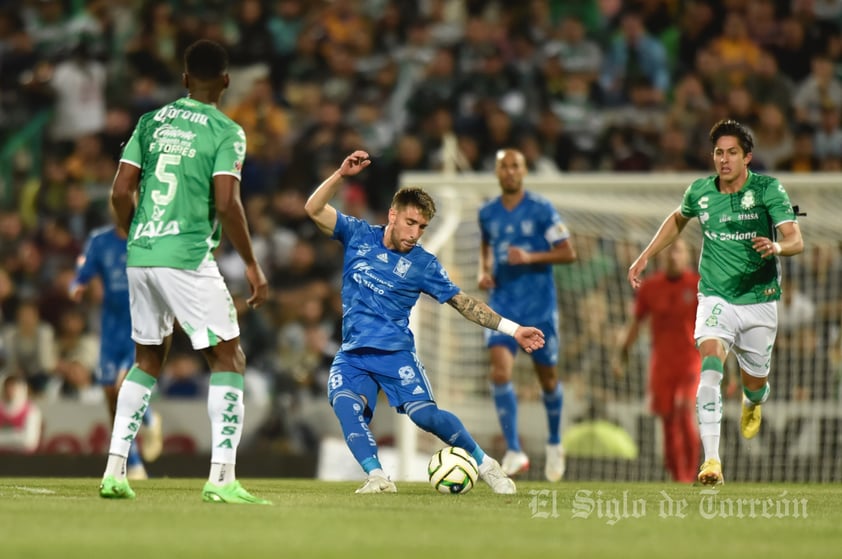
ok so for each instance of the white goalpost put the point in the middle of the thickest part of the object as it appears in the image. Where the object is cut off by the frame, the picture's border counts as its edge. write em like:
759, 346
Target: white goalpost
612, 217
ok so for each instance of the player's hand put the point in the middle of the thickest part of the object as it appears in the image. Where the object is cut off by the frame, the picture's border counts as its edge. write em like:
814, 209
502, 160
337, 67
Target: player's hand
529, 338
354, 163
259, 285
764, 246
486, 281
517, 256
636, 269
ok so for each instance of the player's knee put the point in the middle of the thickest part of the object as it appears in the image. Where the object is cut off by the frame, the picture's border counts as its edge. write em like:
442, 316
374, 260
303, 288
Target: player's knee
346, 404
424, 414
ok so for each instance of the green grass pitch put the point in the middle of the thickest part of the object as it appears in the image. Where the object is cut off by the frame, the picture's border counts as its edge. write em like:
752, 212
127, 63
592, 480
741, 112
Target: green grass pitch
53, 517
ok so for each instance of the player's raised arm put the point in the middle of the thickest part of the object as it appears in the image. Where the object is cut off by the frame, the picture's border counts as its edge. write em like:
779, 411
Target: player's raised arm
318, 204
477, 311
669, 230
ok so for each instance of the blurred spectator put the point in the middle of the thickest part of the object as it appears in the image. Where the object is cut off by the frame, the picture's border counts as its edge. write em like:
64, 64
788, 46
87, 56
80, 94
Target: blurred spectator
803, 158
79, 86
633, 55
767, 84
77, 350
819, 89
773, 142
30, 346
21, 421
735, 48
828, 138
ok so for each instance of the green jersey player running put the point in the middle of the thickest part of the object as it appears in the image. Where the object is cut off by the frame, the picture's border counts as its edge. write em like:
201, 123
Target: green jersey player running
177, 186
747, 222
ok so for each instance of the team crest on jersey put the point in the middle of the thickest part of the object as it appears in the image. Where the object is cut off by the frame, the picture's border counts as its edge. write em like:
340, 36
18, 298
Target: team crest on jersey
363, 250
527, 227
748, 200
402, 267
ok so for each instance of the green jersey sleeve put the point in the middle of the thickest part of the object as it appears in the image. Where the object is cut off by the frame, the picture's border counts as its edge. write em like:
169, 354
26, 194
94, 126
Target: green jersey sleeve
131, 151
690, 202
231, 153
778, 205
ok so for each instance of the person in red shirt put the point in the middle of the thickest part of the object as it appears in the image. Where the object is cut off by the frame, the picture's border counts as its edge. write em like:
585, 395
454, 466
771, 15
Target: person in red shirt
668, 300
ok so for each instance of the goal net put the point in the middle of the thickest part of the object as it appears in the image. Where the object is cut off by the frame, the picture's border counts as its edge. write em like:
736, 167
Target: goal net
612, 218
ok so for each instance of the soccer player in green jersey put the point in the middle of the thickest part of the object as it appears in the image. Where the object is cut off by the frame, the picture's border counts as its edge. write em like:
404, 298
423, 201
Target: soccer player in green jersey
177, 186
747, 222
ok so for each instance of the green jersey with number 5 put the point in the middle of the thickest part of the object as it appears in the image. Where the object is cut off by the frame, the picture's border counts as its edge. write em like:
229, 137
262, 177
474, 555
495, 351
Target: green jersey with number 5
729, 266
179, 148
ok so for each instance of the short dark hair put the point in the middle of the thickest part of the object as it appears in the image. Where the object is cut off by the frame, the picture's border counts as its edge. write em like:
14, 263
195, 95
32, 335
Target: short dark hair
205, 60
732, 128
416, 197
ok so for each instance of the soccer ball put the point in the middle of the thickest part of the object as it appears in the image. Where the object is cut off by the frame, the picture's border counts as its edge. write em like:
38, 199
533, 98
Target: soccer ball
452, 471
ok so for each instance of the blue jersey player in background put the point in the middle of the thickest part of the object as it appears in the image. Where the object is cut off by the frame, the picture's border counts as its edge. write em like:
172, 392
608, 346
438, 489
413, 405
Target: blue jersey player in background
522, 237
384, 273
104, 256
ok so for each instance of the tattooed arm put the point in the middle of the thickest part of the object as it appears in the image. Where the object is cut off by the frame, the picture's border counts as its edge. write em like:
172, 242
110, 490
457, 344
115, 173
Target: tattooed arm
479, 312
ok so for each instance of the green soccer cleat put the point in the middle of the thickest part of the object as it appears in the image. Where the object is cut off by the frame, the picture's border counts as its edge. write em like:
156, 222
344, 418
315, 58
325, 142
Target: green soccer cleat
110, 488
230, 493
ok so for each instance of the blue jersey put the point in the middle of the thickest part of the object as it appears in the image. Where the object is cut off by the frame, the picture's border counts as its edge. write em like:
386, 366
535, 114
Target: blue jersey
104, 255
380, 287
523, 293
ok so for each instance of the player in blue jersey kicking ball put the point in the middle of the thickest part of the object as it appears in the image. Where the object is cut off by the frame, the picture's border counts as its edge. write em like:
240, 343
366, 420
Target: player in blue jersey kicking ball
384, 273
523, 236
104, 256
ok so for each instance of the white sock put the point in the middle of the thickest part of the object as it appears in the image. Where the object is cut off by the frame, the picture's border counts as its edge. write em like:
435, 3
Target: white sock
709, 412
221, 474
132, 401
116, 466
377, 472
226, 412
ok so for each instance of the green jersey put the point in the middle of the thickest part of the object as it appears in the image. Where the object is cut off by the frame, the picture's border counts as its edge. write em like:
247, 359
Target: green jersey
179, 149
729, 266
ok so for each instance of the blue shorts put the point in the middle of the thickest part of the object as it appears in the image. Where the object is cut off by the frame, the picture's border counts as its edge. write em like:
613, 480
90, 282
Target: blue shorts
547, 355
114, 360
399, 374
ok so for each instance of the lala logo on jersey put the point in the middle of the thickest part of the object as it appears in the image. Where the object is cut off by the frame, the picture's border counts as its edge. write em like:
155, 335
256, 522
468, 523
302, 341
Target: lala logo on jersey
402, 267
363, 250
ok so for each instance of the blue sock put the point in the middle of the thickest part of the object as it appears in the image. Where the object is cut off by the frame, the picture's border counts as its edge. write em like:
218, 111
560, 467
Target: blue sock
445, 425
506, 402
134, 456
348, 408
553, 402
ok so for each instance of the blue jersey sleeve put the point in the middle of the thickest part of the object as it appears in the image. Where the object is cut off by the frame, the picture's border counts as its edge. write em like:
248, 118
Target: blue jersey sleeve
438, 284
86, 264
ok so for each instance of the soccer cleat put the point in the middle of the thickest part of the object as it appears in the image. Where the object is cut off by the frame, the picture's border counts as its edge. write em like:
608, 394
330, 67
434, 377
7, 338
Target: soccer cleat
152, 438
555, 466
110, 488
136, 472
515, 462
711, 473
377, 484
492, 474
750, 419
230, 493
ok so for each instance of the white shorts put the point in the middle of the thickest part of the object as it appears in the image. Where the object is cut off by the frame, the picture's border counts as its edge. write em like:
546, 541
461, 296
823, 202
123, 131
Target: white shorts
748, 330
198, 299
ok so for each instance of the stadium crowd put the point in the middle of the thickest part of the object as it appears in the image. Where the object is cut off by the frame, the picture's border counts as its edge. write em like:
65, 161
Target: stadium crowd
577, 85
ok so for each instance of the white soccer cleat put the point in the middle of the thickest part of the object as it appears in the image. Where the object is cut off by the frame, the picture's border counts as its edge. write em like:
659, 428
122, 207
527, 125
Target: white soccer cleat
492, 474
515, 462
377, 484
555, 465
